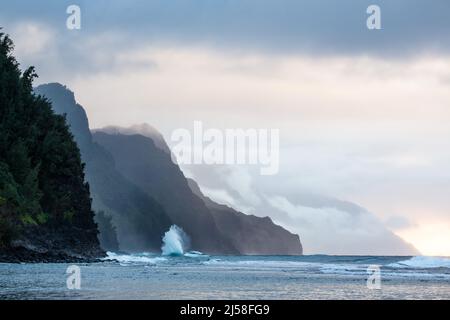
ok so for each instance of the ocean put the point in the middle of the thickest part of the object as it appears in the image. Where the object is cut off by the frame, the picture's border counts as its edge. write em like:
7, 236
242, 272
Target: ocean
196, 276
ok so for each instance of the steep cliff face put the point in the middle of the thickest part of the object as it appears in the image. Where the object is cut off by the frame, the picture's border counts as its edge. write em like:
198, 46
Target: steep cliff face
250, 234
152, 170
212, 227
45, 205
133, 180
139, 220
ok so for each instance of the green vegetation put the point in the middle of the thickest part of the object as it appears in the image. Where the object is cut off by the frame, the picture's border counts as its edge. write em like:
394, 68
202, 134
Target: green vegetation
28, 220
108, 233
42, 218
41, 174
68, 216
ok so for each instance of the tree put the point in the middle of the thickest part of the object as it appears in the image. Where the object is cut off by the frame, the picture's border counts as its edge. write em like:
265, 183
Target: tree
41, 174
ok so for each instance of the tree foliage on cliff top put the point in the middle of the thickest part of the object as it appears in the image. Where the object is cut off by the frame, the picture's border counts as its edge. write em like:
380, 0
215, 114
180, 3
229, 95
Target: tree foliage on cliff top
41, 174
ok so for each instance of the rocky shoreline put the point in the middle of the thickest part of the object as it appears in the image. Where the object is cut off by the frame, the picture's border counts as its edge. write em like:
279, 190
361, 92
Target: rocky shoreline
26, 255
43, 246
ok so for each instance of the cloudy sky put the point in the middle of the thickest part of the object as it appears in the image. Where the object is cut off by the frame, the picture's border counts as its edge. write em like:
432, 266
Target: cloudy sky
364, 115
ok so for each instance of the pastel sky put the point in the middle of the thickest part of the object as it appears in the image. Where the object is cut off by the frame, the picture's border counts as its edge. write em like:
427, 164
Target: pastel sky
364, 115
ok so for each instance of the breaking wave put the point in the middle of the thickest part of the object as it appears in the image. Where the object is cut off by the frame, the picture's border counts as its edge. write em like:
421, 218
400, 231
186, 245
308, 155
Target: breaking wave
175, 242
134, 258
421, 262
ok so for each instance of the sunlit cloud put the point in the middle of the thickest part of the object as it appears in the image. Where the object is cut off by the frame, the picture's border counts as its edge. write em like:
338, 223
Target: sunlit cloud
430, 236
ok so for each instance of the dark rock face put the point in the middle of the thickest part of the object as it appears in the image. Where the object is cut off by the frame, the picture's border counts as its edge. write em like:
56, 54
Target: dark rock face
107, 232
250, 234
213, 228
152, 170
143, 129
139, 220
61, 245
133, 180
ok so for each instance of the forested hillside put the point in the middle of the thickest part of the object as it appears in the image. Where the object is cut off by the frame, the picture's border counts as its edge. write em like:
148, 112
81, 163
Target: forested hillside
45, 205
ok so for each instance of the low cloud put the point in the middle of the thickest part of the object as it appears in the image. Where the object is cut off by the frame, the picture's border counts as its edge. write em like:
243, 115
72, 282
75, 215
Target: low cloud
325, 225
334, 231
399, 223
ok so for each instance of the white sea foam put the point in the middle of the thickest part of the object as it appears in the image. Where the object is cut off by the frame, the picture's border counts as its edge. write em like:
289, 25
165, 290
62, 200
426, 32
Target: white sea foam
260, 263
349, 269
175, 242
134, 258
393, 270
421, 262
195, 254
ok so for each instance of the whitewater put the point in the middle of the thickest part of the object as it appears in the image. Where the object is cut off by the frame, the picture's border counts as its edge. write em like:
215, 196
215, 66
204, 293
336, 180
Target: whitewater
179, 273
193, 275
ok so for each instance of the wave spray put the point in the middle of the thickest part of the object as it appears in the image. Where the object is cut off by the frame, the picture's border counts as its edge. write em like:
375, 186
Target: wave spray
175, 242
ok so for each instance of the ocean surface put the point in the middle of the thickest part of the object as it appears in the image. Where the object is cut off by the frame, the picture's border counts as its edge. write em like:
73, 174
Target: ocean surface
196, 276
